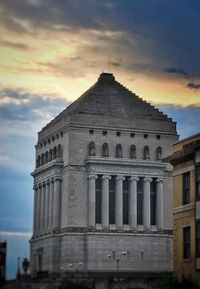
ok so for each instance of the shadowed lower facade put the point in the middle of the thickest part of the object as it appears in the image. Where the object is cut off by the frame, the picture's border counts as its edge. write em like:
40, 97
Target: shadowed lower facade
102, 194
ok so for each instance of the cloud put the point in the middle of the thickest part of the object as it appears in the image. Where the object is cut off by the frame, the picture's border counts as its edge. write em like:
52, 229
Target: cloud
22, 115
176, 71
147, 28
192, 85
113, 63
15, 234
19, 107
15, 45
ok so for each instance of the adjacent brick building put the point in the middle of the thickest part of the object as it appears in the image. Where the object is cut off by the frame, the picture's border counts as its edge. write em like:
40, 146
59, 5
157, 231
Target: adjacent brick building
103, 196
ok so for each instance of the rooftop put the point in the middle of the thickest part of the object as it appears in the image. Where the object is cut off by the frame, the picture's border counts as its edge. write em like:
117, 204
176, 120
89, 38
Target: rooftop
107, 97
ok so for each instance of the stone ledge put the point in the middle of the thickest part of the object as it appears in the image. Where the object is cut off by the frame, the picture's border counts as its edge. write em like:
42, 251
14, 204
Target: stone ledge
184, 208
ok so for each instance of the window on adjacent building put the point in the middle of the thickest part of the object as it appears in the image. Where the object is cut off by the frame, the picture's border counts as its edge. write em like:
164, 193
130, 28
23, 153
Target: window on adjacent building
125, 202
186, 188
198, 182
98, 200
112, 201
198, 239
186, 242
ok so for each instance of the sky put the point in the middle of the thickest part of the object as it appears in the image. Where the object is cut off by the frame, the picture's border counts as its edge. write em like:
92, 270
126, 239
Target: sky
52, 51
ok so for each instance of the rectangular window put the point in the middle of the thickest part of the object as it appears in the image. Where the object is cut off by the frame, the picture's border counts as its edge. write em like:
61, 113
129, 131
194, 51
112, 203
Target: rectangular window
153, 202
125, 202
112, 201
186, 242
198, 182
186, 188
98, 200
198, 239
139, 202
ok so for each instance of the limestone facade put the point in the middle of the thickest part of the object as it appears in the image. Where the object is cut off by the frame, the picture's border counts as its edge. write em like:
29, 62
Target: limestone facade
101, 190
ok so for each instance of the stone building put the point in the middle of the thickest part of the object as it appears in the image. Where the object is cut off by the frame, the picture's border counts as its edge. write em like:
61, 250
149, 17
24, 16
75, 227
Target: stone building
186, 212
103, 195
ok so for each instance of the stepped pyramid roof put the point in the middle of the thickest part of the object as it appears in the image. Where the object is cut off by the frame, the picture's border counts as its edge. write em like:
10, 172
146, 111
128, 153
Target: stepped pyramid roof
108, 102
107, 97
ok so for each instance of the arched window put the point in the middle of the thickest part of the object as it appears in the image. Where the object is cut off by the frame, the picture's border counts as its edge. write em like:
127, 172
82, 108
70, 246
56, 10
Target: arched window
105, 152
46, 157
38, 162
159, 153
91, 151
50, 155
119, 150
146, 153
54, 156
42, 159
133, 152
59, 151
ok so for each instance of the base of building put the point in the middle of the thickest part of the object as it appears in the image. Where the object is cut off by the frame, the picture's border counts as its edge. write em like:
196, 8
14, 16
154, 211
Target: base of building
101, 252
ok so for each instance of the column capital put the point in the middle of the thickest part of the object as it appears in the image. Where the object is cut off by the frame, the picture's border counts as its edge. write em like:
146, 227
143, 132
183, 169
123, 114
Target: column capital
57, 178
92, 176
35, 186
147, 179
43, 183
159, 180
48, 182
134, 178
104, 177
120, 178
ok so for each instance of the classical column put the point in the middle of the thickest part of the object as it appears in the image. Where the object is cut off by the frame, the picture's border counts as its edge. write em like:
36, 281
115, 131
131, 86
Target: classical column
92, 195
105, 201
56, 203
39, 209
42, 207
146, 203
46, 219
119, 201
35, 225
51, 198
159, 204
133, 201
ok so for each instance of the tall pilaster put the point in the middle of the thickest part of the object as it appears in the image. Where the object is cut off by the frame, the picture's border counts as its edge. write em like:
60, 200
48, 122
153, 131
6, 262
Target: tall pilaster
159, 204
56, 203
51, 201
42, 207
105, 201
38, 221
146, 203
35, 225
92, 199
119, 201
46, 217
133, 201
